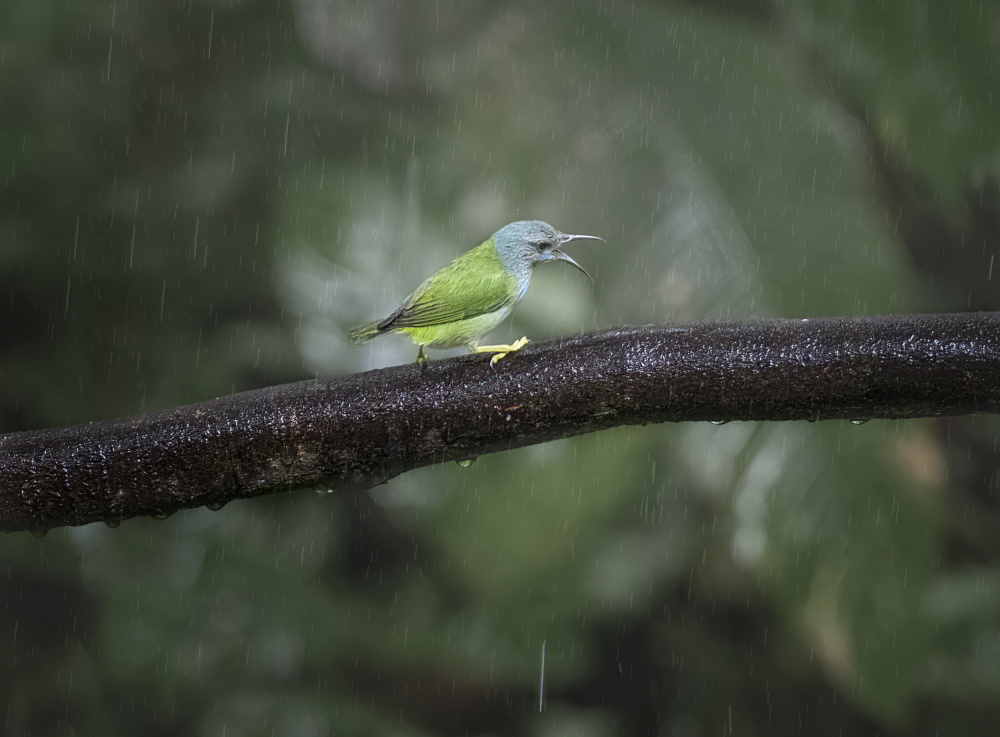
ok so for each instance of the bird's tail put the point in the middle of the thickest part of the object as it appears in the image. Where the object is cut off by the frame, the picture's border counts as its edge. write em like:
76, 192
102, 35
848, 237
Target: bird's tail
364, 333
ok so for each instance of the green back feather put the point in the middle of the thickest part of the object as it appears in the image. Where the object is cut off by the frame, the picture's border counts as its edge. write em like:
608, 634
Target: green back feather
476, 283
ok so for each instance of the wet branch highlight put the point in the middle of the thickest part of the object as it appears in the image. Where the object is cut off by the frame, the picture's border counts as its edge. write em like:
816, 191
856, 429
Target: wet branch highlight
362, 430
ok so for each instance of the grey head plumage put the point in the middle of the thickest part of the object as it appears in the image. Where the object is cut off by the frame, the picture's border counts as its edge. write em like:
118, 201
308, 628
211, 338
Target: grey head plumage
524, 243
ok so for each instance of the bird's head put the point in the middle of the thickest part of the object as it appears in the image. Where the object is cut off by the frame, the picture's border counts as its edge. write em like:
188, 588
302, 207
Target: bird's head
522, 244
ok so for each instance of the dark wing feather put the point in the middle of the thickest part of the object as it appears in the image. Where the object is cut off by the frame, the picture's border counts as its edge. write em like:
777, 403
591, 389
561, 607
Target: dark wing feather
426, 313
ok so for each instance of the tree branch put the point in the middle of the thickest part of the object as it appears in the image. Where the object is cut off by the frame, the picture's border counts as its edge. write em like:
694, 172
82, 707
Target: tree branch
361, 430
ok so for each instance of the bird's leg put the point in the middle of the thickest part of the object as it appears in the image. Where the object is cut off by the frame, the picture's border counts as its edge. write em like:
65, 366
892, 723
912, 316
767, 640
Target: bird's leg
499, 351
421, 358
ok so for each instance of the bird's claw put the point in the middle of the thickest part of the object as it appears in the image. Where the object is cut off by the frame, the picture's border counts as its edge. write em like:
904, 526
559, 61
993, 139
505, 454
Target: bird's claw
503, 350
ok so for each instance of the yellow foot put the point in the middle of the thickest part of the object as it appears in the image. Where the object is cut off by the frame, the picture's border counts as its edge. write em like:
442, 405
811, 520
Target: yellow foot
499, 351
421, 358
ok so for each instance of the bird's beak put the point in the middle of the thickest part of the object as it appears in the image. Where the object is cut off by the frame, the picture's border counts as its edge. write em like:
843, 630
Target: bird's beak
560, 256
567, 238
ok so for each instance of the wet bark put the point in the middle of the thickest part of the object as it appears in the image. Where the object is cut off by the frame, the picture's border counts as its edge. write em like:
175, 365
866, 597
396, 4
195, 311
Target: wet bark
362, 430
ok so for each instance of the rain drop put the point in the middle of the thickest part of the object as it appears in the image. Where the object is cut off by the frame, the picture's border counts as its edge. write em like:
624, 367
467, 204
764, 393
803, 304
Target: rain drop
215, 506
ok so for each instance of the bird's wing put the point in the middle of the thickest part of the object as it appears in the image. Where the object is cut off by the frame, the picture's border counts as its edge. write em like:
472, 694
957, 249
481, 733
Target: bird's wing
474, 284
425, 310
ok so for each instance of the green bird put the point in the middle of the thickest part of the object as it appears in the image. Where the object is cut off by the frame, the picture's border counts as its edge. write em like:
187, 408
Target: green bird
474, 293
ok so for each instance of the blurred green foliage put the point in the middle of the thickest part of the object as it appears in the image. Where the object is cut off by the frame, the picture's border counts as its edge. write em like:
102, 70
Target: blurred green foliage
200, 198
923, 75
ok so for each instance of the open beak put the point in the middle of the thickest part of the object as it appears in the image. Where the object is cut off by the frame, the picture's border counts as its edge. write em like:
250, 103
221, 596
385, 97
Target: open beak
560, 256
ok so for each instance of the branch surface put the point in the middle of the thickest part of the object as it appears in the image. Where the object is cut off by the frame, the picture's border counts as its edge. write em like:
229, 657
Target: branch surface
362, 430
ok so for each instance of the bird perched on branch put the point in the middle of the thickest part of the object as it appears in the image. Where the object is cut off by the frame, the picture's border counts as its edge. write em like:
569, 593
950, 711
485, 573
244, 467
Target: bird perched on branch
474, 293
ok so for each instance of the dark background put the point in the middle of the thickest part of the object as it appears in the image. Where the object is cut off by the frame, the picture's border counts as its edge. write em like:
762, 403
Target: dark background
201, 197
